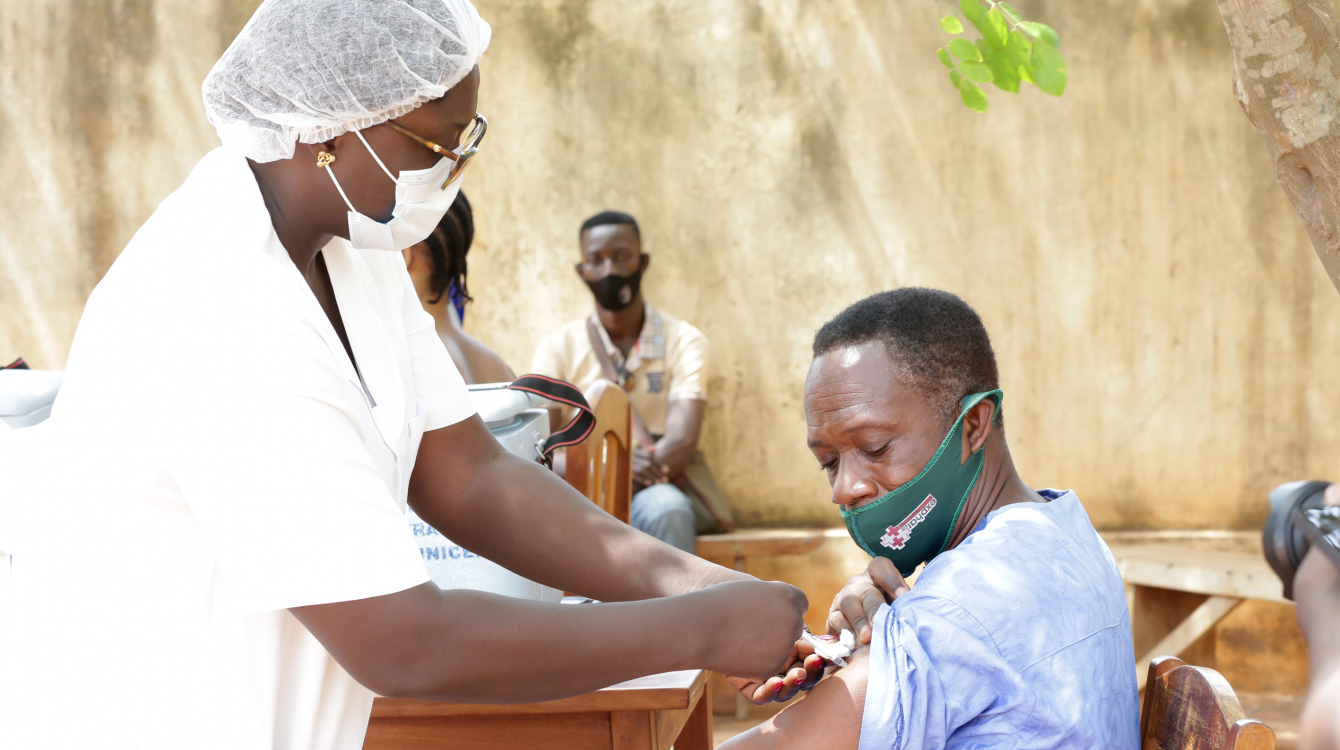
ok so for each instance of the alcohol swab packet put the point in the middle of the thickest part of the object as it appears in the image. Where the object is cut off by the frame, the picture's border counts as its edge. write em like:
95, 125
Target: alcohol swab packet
836, 652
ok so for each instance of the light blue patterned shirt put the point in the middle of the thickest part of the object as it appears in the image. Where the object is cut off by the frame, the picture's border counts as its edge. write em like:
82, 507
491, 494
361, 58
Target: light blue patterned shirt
1017, 638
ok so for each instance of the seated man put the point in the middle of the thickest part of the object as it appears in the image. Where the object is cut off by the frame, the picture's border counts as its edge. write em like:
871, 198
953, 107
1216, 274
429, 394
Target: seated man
1016, 633
661, 362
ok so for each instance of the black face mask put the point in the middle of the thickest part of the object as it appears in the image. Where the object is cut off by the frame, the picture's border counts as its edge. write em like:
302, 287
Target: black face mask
616, 292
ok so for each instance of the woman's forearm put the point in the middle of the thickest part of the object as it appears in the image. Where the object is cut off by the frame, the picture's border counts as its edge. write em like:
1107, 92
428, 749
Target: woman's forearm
554, 535
473, 647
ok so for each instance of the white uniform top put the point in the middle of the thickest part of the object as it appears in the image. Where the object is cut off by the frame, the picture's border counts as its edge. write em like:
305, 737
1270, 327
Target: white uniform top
213, 460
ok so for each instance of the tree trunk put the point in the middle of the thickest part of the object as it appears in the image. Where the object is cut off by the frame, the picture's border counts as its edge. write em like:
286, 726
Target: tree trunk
1286, 59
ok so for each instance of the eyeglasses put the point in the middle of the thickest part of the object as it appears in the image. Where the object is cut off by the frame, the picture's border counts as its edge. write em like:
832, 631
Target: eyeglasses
461, 155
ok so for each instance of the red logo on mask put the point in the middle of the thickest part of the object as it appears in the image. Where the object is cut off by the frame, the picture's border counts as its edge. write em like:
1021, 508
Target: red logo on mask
897, 537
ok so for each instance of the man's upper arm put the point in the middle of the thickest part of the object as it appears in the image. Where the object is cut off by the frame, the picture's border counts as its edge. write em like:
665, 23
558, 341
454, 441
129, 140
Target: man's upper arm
827, 718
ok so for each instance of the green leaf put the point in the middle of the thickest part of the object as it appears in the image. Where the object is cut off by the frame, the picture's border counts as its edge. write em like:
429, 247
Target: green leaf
1017, 52
1003, 73
972, 10
1018, 47
1048, 69
973, 98
955, 78
1042, 32
965, 50
951, 25
944, 58
976, 71
994, 29
1011, 15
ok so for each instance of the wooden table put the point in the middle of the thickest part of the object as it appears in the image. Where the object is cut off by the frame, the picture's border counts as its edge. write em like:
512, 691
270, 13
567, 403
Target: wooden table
650, 713
1226, 576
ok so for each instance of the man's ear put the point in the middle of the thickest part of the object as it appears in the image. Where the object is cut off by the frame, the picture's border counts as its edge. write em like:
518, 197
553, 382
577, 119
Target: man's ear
644, 264
976, 427
578, 268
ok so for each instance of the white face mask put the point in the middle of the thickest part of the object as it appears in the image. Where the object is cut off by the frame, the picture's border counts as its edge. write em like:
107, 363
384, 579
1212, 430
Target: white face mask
420, 203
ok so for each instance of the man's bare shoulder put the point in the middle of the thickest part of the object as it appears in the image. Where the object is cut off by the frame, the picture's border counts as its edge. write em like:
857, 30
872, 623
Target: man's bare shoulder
827, 718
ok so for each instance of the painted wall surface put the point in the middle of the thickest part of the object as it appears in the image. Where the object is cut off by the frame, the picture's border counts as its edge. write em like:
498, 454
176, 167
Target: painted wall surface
100, 118
1165, 334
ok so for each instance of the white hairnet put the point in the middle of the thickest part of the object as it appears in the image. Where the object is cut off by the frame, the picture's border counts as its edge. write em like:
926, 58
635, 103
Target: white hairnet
309, 70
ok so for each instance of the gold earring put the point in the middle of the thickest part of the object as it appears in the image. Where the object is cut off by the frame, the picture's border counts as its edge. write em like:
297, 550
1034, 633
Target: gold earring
324, 159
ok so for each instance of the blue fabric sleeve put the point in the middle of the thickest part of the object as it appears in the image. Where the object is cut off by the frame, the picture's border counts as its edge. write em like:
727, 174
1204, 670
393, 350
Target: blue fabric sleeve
937, 680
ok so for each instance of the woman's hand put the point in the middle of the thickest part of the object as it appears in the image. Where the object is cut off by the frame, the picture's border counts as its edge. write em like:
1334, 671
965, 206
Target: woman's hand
803, 670
855, 605
750, 625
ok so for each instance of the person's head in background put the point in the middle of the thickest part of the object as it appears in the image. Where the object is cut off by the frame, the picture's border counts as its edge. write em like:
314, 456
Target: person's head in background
612, 260
437, 265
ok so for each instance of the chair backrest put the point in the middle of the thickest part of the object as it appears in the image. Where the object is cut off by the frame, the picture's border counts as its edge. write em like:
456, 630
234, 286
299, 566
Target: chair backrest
1193, 708
601, 467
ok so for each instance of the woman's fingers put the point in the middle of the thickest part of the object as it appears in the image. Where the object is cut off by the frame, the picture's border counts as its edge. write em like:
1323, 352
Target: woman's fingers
753, 691
814, 671
790, 684
803, 671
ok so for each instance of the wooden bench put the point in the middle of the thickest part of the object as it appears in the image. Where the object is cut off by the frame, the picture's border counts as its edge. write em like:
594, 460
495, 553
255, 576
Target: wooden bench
739, 546
1186, 562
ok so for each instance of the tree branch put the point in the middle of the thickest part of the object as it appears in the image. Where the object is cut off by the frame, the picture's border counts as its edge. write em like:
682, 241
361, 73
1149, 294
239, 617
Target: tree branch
1286, 57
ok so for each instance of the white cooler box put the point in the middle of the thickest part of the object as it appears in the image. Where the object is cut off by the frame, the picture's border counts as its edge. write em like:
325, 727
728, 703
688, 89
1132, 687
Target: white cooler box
26, 396
520, 423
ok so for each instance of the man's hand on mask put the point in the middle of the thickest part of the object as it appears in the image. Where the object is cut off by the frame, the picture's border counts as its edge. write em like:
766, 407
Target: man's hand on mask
803, 671
646, 469
855, 605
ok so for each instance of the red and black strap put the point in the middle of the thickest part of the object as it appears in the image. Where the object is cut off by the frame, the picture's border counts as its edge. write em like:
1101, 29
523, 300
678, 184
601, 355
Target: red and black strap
17, 364
574, 431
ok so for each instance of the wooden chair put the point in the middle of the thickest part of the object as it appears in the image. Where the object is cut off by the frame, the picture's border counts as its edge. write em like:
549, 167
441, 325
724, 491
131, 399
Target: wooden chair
606, 455
1193, 708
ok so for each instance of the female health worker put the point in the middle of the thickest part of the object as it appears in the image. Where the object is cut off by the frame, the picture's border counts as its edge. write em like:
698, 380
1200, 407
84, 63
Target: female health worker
208, 540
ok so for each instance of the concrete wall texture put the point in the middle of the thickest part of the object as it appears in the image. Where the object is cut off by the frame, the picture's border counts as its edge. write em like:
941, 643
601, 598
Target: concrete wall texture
1164, 331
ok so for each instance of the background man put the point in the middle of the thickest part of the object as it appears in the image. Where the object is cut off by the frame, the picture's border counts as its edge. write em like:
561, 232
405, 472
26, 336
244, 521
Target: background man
661, 363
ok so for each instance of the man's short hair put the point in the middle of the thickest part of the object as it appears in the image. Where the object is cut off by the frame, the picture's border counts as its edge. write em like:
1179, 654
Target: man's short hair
940, 342
605, 218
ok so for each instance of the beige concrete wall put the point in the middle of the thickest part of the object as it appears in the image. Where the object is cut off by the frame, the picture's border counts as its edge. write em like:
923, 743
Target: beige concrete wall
1165, 333
100, 118
1166, 336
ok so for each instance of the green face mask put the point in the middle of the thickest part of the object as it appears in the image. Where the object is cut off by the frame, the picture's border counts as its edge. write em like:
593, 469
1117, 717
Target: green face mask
912, 524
